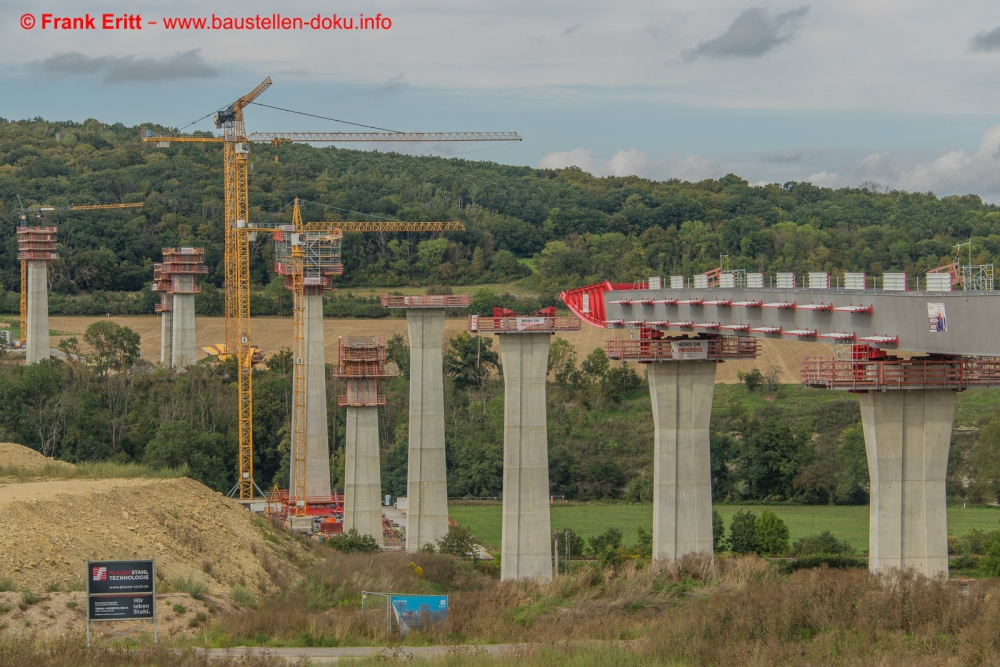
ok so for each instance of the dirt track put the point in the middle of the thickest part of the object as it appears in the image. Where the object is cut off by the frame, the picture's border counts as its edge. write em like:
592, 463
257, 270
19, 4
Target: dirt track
29, 491
272, 333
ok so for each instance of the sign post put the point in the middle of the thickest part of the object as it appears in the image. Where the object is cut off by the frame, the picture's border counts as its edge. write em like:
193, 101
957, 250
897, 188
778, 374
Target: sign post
121, 590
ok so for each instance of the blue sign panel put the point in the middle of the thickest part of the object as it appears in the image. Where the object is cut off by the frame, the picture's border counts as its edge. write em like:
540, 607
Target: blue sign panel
412, 610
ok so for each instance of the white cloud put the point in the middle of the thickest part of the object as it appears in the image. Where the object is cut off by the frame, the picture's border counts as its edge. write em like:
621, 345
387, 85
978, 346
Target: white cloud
633, 162
959, 171
825, 180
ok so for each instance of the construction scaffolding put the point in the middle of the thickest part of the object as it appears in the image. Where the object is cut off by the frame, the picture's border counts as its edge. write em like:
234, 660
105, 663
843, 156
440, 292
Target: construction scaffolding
891, 373
426, 301
36, 244
718, 348
364, 368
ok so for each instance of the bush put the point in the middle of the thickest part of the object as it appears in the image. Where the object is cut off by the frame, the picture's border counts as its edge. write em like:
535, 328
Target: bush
459, 542
973, 542
243, 597
824, 543
612, 537
772, 534
823, 560
192, 587
352, 541
718, 530
6, 585
576, 544
743, 532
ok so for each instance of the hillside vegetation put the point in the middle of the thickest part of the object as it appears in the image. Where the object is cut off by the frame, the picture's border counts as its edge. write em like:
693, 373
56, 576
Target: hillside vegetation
576, 228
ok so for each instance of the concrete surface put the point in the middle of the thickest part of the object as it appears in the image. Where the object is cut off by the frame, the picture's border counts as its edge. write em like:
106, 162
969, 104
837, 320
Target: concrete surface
362, 476
681, 394
907, 436
972, 316
526, 552
317, 437
166, 337
37, 337
427, 482
183, 349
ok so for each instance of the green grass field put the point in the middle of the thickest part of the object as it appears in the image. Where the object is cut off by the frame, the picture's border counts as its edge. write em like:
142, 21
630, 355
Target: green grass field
846, 522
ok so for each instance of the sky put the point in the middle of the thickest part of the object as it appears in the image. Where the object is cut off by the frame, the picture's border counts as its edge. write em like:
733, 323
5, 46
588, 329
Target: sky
904, 93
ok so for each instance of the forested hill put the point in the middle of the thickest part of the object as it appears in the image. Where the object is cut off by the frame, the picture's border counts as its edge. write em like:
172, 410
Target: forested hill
578, 228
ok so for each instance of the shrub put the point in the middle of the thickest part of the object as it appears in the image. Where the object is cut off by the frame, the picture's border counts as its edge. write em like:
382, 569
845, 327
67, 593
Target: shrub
824, 543
644, 542
973, 542
6, 585
192, 587
242, 597
612, 537
718, 531
772, 533
743, 532
352, 541
824, 560
179, 609
576, 544
459, 542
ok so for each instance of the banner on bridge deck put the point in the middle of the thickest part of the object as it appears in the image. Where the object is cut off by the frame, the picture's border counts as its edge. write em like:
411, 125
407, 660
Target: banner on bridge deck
525, 323
937, 318
684, 350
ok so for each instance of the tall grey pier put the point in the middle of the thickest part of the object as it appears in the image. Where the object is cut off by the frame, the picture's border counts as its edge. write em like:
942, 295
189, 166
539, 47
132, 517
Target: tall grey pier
176, 281
363, 368
907, 405
681, 374
426, 473
526, 551
36, 246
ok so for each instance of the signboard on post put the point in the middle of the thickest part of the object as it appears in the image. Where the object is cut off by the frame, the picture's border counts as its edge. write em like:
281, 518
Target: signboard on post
121, 590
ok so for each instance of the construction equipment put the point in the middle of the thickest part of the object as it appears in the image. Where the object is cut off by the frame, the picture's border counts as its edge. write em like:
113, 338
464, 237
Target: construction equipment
238, 233
23, 217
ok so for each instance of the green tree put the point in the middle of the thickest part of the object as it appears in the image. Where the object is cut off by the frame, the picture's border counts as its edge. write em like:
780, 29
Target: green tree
852, 460
619, 381
470, 360
718, 530
743, 532
398, 352
596, 365
611, 538
751, 379
115, 347
177, 445
459, 542
352, 541
824, 543
772, 534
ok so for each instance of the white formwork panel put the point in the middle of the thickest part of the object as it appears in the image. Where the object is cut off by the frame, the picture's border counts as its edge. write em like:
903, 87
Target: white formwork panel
894, 282
676, 282
755, 281
727, 281
701, 282
819, 281
655, 282
855, 281
938, 282
785, 281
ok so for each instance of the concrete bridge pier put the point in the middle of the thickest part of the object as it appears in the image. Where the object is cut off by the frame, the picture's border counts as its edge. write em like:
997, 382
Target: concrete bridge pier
166, 331
526, 552
182, 337
427, 483
907, 437
362, 475
38, 312
681, 394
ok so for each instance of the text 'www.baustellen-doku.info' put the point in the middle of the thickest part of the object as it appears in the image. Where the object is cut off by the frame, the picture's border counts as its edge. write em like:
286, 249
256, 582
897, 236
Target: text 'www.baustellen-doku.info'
55, 22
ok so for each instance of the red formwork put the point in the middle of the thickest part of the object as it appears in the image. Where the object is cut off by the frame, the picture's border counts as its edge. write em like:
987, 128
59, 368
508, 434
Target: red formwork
363, 358
426, 301
883, 374
330, 507
645, 350
177, 262
36, 244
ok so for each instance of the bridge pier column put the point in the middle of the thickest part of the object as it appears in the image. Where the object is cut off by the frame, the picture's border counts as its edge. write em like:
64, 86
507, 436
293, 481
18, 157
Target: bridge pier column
681, 394
907, 437
526, 552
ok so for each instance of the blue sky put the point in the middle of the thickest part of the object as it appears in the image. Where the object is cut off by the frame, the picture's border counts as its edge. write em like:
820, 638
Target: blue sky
904, 93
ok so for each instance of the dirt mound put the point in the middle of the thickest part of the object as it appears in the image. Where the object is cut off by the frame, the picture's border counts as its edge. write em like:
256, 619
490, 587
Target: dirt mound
201, 540
24, 458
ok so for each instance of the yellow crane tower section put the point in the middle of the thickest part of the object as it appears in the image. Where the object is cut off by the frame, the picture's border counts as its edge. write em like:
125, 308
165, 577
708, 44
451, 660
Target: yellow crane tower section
237, 234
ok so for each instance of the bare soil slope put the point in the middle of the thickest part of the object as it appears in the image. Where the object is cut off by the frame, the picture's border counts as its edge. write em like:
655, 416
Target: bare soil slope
273, 333
25, 458
49, 529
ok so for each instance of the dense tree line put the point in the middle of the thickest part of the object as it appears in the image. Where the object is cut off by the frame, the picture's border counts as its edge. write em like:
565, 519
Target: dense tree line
575, 228
105, 402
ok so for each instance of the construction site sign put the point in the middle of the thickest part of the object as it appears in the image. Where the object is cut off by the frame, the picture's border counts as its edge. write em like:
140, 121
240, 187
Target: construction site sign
119, 577
683, 350
121, 590
120, 607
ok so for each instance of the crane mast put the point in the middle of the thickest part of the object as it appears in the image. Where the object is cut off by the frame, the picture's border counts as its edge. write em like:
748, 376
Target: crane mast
239, 233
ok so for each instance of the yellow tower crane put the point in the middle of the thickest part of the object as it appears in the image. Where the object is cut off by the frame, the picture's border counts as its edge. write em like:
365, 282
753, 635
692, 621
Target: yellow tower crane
336, 231
237, 234
24, 263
